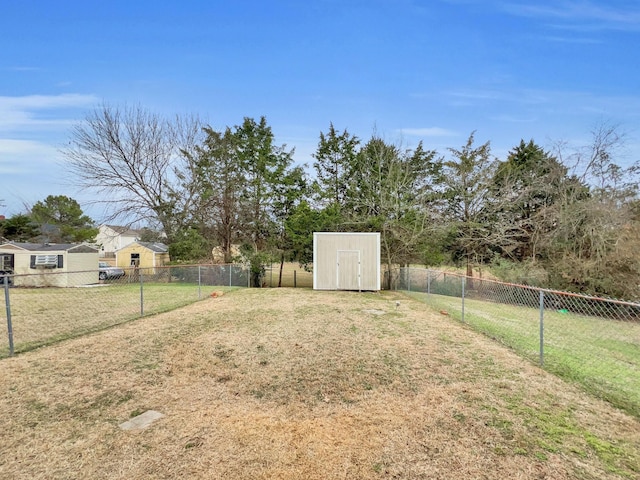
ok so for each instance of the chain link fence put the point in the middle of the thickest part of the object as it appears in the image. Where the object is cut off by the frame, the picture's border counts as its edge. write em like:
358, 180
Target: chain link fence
48, 307
592, 341
287, 275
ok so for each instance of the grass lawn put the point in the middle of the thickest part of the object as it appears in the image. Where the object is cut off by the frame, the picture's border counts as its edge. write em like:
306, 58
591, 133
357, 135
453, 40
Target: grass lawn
601, 355
41, 316
289, 384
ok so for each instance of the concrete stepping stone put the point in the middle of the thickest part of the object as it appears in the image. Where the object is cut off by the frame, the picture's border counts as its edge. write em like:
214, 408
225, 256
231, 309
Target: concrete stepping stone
142, 421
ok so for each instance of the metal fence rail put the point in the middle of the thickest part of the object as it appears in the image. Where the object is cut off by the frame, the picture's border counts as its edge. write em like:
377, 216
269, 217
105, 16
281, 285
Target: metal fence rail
592, 341
47, 307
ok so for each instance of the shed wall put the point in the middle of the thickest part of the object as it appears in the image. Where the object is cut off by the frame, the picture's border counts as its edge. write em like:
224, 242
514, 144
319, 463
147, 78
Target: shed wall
87, 262
336, 257
123, 256
86, 266
148, 258
38, 277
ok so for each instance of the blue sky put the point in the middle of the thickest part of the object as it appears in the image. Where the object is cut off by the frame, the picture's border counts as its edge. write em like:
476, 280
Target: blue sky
547, 70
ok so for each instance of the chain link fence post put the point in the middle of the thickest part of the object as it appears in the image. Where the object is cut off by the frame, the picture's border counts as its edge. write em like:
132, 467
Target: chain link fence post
5, 280
199, 283
541, 328
589, 339
409, 279
140, 275
464, 281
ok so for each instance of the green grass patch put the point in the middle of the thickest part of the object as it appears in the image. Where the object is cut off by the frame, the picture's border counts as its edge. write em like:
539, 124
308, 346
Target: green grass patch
43, 316
601, 355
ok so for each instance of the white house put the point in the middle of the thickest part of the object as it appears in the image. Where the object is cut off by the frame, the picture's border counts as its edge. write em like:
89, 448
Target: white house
346, 261
113, 237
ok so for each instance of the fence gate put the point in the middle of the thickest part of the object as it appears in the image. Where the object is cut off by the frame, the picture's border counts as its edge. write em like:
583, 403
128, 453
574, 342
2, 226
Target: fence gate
348, 270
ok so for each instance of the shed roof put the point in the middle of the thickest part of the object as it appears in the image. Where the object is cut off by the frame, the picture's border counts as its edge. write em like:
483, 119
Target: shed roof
156, 247
50, 247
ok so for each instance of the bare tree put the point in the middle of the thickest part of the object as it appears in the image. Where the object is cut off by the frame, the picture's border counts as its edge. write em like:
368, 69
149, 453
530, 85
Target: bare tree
593, 246
135, 161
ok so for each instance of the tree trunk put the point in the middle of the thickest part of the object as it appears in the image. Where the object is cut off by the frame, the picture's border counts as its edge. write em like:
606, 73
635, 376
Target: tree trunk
281, 268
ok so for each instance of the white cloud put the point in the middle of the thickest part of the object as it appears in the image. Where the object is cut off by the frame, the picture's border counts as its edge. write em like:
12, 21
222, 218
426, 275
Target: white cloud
23, 156
40, 102
469, 97
572, 39
583, 15
32, 126
22, 69
428, 132
37, 112
10, 147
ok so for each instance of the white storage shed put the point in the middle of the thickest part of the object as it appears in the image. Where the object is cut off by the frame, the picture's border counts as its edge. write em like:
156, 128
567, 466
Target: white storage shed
346, 261
50, 265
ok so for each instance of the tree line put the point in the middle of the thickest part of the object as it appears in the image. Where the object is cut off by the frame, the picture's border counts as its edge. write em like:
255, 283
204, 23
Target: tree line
56, 219
561, 218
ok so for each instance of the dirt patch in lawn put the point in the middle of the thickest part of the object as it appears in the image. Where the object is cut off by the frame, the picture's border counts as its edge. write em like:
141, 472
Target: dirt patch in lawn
288, 384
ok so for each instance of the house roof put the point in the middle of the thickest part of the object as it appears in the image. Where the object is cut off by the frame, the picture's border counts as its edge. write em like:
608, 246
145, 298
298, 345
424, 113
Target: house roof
120, 230
49, 247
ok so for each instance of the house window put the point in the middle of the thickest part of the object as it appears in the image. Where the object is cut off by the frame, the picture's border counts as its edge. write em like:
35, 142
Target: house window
47, 261
6, 262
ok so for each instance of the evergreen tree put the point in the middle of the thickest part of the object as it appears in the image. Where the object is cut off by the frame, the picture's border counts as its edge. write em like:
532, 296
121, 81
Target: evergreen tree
467, 188
264, 166
526, 187
334, 160
391, 191
19, 228
61, 220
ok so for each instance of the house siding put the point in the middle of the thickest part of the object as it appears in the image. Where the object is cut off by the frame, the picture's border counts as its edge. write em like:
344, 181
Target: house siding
111, 240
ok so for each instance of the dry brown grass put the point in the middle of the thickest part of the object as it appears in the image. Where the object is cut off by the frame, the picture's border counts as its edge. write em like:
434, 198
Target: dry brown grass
288, 384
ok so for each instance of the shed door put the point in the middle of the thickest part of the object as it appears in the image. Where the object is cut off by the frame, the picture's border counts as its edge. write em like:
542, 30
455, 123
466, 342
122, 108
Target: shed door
348, 270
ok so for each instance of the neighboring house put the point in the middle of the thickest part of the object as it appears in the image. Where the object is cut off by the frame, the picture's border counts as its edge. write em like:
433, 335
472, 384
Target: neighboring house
50, 265
112, 237
218, 254
143, 255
